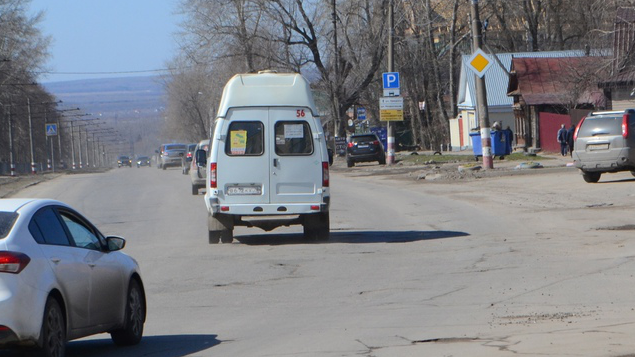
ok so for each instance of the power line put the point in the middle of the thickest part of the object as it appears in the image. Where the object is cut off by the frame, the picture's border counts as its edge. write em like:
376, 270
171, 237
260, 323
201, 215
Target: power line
114, 72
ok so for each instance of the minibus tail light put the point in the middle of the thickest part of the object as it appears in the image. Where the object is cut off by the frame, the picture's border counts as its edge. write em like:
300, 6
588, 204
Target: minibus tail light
213, 172
325, 174
625, 126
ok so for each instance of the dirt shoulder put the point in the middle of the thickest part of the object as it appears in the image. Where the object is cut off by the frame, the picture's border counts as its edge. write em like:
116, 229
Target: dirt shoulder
9, 186
433, 171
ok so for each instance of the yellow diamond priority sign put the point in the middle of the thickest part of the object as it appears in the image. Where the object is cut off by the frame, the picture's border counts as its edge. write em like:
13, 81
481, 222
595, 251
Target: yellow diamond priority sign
479, 62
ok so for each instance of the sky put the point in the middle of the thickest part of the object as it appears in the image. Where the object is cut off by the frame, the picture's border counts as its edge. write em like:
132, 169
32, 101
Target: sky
107, 38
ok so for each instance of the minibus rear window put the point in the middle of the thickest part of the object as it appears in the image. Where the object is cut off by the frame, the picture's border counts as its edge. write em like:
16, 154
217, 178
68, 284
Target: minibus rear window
245, 138
293, 138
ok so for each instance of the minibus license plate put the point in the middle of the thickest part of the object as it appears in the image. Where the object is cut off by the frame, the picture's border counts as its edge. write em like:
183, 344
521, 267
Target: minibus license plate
244, 190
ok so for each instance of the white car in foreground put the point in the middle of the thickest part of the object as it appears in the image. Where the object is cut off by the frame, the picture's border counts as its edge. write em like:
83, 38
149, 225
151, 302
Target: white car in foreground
61, 279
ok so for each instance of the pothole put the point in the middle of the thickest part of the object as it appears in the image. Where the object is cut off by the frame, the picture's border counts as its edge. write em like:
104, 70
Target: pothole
446, 340
626, 227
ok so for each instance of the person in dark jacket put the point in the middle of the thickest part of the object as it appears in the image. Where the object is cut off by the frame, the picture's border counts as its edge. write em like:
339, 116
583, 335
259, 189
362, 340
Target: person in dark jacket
562, 139
570, 139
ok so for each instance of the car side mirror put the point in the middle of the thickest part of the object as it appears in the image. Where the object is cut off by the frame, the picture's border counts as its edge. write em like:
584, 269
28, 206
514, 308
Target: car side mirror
115, 243
201, 158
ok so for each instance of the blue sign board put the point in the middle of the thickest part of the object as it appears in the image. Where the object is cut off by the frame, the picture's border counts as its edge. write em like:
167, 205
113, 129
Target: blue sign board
391, 80
382, 133
361, 113
51, 129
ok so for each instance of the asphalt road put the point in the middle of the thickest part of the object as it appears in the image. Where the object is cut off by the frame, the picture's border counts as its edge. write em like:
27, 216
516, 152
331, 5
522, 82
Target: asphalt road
539, 264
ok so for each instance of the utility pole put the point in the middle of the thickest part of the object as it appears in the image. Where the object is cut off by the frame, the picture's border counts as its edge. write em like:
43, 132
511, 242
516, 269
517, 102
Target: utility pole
11, 150
28, 103
79, 145
73, 145
481, 93
390, 130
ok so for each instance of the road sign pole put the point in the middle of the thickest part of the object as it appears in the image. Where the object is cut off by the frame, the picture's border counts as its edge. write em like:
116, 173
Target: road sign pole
390, 158
481, 93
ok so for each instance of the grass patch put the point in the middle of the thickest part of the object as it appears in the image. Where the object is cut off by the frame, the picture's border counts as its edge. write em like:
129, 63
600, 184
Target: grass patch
422, 159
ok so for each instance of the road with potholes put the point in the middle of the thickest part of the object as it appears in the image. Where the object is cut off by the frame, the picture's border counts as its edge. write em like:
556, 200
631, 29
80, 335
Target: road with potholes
494, 265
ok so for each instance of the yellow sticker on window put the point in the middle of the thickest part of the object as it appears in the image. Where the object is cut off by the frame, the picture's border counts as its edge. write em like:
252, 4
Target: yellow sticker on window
238, 142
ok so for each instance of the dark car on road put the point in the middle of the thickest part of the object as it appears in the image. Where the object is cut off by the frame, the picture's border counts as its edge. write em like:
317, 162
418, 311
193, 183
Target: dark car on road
143, 161
364, 148
124, 161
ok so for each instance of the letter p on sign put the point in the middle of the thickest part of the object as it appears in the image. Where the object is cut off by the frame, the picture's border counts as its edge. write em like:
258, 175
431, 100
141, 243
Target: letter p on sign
391, 80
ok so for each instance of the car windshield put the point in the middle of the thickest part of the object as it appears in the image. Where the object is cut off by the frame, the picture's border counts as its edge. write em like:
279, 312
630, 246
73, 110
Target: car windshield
7, 219
142, 158
175, 147
610, 124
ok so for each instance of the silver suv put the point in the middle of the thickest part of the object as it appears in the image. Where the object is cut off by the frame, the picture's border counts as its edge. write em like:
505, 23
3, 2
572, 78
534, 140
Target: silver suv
605, 142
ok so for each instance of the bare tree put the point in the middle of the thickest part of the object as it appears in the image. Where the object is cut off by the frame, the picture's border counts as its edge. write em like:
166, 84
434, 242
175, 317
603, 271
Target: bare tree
23, 50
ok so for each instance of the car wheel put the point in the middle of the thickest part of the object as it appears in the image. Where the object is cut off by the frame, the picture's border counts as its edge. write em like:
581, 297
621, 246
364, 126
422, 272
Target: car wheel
194, 190
350, 163
135, 317
633, 173
382, 160
591, 177
163, 166
317, 227
53, 334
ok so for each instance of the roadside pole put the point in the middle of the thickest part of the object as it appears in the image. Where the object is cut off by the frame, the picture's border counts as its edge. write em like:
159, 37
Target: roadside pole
28, 102
481, 92
390, 130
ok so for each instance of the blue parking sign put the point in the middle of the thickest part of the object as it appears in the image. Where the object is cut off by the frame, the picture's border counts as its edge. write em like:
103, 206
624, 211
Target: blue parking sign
391, 80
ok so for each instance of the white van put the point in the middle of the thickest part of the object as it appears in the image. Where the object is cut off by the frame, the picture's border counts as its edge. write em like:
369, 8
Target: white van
268, 164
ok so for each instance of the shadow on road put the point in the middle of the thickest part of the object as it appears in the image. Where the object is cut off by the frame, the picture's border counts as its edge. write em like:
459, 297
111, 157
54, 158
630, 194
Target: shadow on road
155, 346
351, 237
603, 180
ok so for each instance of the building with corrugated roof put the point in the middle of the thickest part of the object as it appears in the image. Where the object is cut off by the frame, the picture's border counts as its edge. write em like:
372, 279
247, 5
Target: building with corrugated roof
500, 105
552, 91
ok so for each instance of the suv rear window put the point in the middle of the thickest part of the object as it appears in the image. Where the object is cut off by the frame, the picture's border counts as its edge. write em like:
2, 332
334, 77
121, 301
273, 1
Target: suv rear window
7, 219
608, 124
363, 138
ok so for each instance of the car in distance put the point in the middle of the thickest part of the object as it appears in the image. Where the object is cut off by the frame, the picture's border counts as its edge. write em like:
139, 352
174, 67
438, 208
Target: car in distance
191, 148
605, 142
124, 161
61, 279
364, 148
171, 155
198, 169
143, 161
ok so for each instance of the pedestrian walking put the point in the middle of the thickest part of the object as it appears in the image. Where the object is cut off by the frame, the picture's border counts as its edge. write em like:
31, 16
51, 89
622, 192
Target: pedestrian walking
570, 139
562, 139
